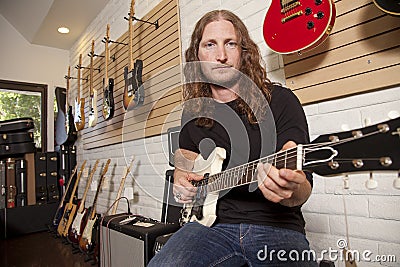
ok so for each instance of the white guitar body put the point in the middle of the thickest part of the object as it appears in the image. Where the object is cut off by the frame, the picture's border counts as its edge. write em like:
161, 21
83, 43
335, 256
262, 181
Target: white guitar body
87, 232
93, 110
77, 118
76, 225
211, 166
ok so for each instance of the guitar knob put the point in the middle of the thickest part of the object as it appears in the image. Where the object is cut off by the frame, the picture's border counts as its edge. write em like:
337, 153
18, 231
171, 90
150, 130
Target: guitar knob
310, 25
308, 11
318, 2
320, 15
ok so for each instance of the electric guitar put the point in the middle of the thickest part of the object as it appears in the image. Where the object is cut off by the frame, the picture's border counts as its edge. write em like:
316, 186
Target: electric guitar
69, 119
133, 90
93, 93
121, 187
61, 207
70, 207
86, 243
295, 26
375, 147
108, 84
61, 134
392, 7
79, 102
79, 222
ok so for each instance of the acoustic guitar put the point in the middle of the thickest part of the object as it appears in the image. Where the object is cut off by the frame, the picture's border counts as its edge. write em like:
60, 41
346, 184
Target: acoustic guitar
391, 7
108, 83
79, 102
133, 90
79, 222
93, 93
297, 26
70, 207
86, 242
375, 147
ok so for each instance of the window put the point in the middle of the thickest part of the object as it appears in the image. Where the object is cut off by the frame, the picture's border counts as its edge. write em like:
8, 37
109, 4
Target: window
18, 99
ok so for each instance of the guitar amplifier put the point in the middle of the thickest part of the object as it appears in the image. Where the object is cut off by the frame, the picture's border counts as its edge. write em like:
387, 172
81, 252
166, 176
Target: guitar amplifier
130, 244
160, 242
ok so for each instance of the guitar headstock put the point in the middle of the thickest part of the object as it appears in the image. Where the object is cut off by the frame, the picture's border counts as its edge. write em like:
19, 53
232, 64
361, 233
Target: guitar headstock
373, 148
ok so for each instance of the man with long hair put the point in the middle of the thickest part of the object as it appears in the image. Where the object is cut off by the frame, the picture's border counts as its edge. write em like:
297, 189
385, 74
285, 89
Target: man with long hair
230, 104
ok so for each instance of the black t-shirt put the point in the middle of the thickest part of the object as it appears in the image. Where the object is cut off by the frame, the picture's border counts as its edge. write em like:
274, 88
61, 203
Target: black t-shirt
242, 142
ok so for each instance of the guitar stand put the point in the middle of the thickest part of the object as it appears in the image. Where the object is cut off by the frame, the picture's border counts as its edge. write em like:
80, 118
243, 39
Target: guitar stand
145, 21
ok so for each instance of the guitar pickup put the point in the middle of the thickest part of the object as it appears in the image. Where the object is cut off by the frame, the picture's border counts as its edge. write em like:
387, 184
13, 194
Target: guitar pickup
294, 15
289, 7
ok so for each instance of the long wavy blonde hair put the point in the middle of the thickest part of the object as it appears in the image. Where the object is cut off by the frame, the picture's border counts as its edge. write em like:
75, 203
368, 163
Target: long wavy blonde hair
248, 102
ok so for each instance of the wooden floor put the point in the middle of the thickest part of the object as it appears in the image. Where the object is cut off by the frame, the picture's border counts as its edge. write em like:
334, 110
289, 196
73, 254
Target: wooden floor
40, 250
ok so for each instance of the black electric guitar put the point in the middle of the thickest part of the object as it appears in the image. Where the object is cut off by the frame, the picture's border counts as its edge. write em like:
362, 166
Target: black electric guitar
392, 7
133, 90
375, 147
108, 83
69, 119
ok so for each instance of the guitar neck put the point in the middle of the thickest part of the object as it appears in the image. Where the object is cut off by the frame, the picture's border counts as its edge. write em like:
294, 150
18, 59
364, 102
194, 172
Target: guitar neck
93, 212
91, 70
247, 173
107, 53
76, 183
121, 187
67, 90
131, 13
79, 77
89, 181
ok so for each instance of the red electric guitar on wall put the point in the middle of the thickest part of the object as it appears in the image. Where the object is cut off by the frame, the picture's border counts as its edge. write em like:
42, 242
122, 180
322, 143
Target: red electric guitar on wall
295, 26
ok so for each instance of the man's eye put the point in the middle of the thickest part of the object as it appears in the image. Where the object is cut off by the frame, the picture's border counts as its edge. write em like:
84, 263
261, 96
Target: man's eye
209, 45
231, 44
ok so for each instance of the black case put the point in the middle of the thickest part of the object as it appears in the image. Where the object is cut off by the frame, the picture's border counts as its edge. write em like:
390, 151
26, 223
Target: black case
2, 184
52, 177
17, 149
16, 125
18, 137
147, 235
21, 182
171, 210
41, 178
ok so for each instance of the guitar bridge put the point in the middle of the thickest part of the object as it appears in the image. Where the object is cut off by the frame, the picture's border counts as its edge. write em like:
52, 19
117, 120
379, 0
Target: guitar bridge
294, 15
289, 7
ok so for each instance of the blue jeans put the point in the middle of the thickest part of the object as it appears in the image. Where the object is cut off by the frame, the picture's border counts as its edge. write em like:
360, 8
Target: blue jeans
234, 245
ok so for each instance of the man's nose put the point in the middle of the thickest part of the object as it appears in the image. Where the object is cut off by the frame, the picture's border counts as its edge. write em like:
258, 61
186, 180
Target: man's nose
221, 54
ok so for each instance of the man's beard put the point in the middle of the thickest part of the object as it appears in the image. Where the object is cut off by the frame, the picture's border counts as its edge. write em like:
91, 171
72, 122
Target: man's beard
220, 74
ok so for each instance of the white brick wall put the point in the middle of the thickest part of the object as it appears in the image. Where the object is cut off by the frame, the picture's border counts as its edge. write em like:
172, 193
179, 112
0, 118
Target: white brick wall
373, 216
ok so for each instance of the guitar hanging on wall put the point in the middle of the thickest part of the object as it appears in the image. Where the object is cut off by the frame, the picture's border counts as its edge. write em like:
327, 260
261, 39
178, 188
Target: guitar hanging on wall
392, 7
108, 83
375, 147
93, 93
295, 26
69, 119
79, 102
133, 90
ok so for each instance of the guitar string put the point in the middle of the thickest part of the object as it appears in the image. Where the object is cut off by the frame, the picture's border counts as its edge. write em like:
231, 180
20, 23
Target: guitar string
251, 166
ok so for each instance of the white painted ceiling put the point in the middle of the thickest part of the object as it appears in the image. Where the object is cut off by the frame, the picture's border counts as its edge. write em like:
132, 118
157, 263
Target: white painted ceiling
37, 20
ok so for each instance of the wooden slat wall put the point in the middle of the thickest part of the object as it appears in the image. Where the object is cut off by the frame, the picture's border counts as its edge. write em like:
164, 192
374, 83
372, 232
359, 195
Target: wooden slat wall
160, 51
361, 54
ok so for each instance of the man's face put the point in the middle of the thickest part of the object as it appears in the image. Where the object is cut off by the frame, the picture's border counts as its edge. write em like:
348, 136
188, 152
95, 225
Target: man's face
219, 45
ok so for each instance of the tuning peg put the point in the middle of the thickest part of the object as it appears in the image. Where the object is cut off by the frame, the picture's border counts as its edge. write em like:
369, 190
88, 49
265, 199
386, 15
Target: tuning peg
396, 182
346, 184
371, 183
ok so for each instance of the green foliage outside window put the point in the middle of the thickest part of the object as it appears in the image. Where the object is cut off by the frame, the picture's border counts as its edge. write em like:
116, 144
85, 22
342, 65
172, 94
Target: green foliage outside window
19, 105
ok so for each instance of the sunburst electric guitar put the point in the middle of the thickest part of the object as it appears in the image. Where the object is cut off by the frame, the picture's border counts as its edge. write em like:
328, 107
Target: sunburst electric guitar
79, 222
108, 83
133, 90
375, 147
86, 242
79, 102
93, 93
295, 26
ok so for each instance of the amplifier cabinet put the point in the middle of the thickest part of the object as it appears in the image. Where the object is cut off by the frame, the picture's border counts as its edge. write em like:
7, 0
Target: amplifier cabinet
130, 244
